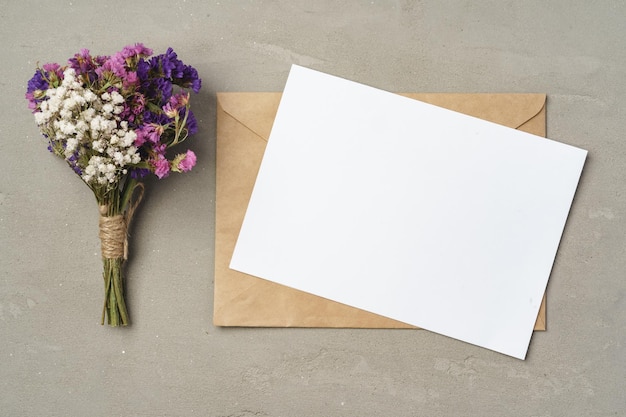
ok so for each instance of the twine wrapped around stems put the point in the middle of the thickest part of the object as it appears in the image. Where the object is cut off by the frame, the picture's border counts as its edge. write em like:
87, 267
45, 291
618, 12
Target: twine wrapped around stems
114, 229
114, 247
113, 235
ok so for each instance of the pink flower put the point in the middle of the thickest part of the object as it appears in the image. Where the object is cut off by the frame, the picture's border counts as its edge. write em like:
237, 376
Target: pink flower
170, 110
188, 162
148, 133
161, 167
176, 102
138, 103
51, 67
130, 80
137, 49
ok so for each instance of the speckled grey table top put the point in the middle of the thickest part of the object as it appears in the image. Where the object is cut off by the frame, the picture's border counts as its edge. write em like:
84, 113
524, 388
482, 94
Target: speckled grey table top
57, 360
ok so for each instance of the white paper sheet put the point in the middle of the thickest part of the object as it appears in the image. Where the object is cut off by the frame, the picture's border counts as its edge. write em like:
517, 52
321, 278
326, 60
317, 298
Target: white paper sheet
408, 210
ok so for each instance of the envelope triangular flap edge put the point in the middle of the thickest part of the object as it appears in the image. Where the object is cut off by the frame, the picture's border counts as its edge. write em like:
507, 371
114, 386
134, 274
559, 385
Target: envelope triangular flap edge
256, 111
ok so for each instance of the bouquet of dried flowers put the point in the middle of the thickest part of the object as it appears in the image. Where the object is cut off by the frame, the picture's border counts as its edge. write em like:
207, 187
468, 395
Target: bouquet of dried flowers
112, 119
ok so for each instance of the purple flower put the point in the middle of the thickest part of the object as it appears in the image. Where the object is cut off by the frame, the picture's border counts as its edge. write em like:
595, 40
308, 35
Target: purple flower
190, 79
84, 64
157, 90
37, 85
133, 108
139, 173
37, 82
171, 66
188, 162
44, 78
143, 69
155, 118
164, 89
72, 160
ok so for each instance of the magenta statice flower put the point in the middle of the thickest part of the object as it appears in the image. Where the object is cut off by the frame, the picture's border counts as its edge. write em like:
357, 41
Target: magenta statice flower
135, 50
161, 167
188, 162
175, 104
148, 133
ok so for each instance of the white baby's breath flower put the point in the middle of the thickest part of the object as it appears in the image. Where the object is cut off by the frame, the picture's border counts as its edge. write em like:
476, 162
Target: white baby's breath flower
129, 138
40, 118
111, 125
69, 75
54, 103
65, 114
95, 125
69, 103
135, 158
79, 97
66, 127
60, 91
107, 108
81, 126
97, 146
119, 159
70, 146
89, 96
116, 97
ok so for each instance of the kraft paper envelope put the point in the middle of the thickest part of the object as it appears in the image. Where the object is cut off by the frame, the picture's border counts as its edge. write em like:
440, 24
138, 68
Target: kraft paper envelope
244, 122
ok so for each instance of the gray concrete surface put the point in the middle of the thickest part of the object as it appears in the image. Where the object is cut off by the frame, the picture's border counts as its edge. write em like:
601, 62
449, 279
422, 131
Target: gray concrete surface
56, 359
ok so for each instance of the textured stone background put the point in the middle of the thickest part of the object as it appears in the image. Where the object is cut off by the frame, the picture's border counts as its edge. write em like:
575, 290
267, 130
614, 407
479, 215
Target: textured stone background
55, 358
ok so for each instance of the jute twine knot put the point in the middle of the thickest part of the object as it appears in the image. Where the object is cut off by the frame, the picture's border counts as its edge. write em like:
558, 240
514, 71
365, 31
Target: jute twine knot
114, 230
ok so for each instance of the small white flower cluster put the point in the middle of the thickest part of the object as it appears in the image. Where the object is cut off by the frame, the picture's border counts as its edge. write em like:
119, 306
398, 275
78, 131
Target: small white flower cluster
86, 122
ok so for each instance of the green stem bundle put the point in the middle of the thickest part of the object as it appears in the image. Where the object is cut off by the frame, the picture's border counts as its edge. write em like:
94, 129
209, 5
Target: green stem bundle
114, 304
116, 212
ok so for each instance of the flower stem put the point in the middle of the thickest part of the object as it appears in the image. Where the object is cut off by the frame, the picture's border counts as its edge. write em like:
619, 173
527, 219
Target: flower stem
115, 306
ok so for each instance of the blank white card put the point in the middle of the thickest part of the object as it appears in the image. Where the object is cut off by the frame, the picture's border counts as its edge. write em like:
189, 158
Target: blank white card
407, 210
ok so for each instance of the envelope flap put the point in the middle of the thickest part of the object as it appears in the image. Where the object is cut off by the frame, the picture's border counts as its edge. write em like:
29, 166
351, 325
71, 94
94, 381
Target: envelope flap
512, 110
256, 111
